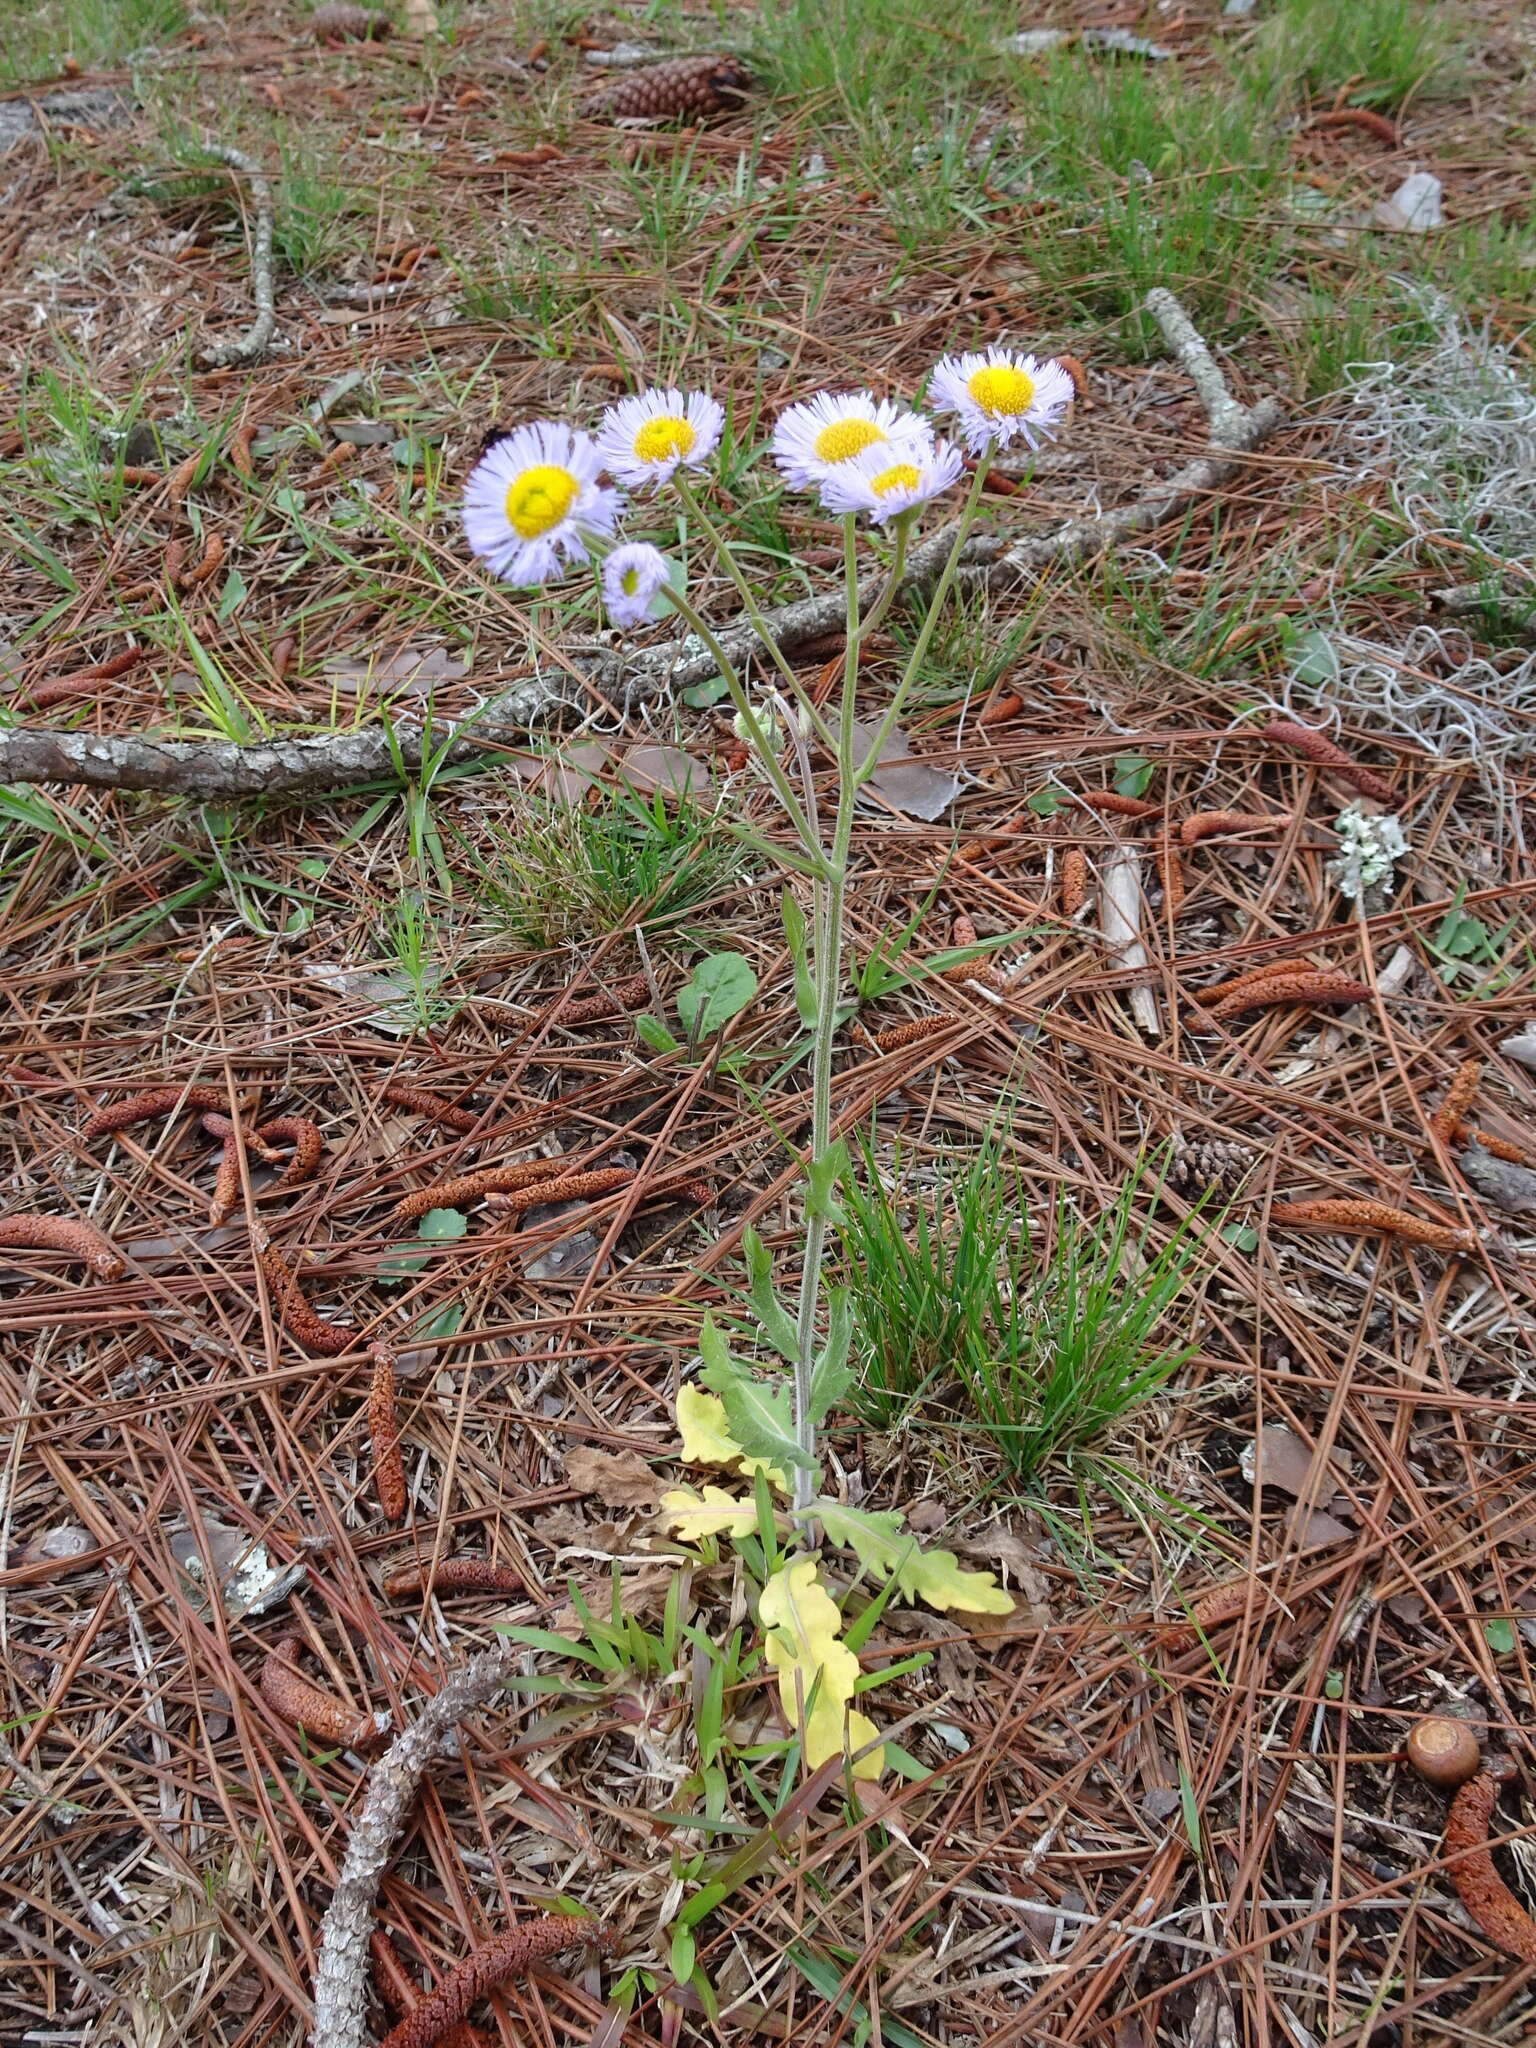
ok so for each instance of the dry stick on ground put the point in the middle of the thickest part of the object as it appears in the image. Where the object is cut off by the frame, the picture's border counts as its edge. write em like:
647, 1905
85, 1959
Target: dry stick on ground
252, 345
341, 1967
222, 768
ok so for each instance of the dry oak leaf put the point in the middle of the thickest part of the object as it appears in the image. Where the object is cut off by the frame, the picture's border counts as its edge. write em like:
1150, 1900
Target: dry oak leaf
619, 1479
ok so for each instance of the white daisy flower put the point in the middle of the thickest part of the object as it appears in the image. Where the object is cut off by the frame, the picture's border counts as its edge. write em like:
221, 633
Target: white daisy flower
885, 481
532, 503
816, 435
632, 575
644, 439
1000, 396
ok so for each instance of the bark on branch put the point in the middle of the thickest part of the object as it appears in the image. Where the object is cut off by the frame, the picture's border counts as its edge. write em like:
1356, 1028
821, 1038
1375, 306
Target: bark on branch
220, 768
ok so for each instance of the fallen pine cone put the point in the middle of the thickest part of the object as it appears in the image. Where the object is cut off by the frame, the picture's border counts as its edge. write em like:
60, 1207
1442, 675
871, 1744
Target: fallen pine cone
66, 1234
1373, 1219
1209, 1163
682, 88
342, 21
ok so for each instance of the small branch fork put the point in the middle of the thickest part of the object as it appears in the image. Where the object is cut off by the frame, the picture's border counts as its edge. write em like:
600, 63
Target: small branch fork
251, 346
219, 768
342, 1965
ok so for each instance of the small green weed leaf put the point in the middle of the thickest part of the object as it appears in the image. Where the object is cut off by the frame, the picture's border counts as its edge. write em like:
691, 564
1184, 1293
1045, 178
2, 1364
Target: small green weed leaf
1133, 772
702, 695
778, 1325
758, 1415
652, 1032
662, 607
795, 939
1191, 1809
313, 869
683, 1954
1242, 1235
722, 984
1499, 1636
1045, 803
232, 596
831, 1376
443, 1322
822, 1179
1316, 659
443, 1224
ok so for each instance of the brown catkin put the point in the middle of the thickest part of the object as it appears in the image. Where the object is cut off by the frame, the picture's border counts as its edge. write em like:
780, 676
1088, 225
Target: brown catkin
237, 450
1355, 117
1316, 990
312, 1331
1119, 806
1306, 739
290, 1694
1254, 976
1368, 1219
206, 565
505, 1955
1074, 881
1481, 1890
1171, 869
624, 995
571, 1187
473, 1187
1220, 1604
66, 1234
384, 1435
422, 1102
151, 1103
217, 1125
1499, 1148
454, 1575
399, 1992
1459, 1098
1212, 824
914, 1033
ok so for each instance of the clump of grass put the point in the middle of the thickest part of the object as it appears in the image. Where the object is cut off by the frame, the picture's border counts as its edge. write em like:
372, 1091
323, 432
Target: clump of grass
963, 1320
572, 872
36, 40
1382, 53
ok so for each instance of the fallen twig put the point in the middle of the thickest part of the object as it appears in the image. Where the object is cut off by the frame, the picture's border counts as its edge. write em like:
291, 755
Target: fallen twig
251, 346
210, 768
392, 1783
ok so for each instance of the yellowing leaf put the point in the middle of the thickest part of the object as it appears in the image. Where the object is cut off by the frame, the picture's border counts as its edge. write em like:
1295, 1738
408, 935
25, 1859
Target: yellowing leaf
817, 1672
935, 1576
707, 1441
691, 1515
881, 1545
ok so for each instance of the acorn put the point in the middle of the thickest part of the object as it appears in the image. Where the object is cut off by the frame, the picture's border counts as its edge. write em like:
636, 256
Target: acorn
692, 88
342, 21
1444, 1751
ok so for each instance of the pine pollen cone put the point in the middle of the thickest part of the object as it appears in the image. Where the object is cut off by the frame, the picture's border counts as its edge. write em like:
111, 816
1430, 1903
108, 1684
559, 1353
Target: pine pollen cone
1315, 990
504, 1956
1459, 1098
1213, 824
313, 1332
1119, 806
151, 1103
400, 1993
624, 995
290, 1694
384, 1436
1498, 1913
1171, 869
1256, 975
913, 1033
1220, 1604
1074, 881
67, 1234
465, 1188
454, 1575
422, 1102
1372, 1219
1318, 747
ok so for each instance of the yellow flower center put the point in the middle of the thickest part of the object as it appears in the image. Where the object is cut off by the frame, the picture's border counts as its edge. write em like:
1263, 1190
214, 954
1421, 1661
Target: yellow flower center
539, 498
664, 438
845, 438
901, 476
1001, 390
629, 581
